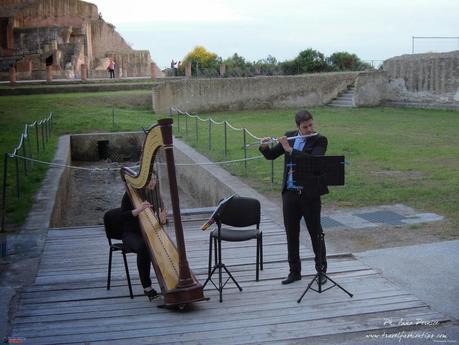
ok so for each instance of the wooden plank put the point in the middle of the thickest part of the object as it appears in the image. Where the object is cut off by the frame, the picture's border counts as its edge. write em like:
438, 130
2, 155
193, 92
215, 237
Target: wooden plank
69, 303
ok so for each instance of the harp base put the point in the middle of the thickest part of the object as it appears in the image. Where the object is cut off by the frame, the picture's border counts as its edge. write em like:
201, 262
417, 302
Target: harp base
183, 296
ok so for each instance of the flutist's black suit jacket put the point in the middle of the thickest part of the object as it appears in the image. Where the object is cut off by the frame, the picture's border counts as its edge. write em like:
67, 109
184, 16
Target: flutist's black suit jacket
315, 146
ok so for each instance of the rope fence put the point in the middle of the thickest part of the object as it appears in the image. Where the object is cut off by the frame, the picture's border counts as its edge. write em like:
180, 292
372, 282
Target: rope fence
24, 149
33, 142
184, 116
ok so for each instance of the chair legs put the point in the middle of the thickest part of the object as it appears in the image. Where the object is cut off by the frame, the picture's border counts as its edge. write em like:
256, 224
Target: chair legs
109, 268
259, 262
220, 266
261, 251
128, 277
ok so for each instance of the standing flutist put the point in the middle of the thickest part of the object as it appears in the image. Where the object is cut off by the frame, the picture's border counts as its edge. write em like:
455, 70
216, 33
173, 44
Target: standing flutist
300, 202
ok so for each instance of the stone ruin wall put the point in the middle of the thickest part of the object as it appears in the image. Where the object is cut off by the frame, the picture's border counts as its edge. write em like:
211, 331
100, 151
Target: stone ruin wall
69, 31
231, 94
432, 77
425, 80
30, 14
419, 80
107, 42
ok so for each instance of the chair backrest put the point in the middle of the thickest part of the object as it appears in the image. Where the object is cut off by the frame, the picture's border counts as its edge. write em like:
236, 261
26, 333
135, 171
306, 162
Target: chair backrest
240, 212
113, 224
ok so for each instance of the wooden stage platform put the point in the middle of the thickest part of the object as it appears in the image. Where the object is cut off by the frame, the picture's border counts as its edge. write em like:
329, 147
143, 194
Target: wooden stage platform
69, 303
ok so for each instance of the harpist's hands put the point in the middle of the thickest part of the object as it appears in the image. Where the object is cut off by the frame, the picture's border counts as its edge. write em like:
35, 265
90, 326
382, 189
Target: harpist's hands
145, 205
163, 216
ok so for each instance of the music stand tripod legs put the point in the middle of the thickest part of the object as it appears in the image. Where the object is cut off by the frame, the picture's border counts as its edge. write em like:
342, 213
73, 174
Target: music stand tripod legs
318, 276
220, 266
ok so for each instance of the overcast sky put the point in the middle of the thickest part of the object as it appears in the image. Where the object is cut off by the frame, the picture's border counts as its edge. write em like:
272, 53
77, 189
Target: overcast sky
374, 30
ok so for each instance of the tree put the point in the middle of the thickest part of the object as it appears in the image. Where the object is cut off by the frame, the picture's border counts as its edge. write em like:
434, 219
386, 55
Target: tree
307, 61
269, 66
236, 61
202, 58
344, 61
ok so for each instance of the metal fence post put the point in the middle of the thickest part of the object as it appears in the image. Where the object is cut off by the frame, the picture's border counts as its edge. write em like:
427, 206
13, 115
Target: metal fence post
197, 134
186, 125
25, 160
178, 122
38, 140
210, 134
17, 177
272, 170
42, 137
5, 175
245, 151
46, 131
226, 141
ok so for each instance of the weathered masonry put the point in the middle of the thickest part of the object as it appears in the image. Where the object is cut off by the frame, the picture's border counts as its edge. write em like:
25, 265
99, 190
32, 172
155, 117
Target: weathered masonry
67, 36
420, 80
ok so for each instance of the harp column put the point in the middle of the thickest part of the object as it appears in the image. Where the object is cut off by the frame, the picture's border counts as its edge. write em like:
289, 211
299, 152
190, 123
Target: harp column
185, 278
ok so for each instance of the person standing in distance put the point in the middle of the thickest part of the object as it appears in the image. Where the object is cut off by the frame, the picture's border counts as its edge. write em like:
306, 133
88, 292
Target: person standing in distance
298, 202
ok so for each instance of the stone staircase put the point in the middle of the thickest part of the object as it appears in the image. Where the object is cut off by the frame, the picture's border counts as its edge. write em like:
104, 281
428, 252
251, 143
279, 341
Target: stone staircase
344, 100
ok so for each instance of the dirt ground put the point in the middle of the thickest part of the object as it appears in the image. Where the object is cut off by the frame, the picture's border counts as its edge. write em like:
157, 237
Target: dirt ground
93, 192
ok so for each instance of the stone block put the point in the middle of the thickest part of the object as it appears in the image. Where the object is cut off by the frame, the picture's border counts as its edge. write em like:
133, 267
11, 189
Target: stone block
84, 72
49, 74
24, 66
188, 69
12, 75
222, 70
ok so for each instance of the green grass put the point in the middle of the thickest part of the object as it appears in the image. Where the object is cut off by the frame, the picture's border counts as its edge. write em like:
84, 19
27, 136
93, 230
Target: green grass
408, 156
72, 113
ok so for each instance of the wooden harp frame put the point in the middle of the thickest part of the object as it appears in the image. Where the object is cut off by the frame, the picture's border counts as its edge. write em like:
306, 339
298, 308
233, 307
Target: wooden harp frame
178, 284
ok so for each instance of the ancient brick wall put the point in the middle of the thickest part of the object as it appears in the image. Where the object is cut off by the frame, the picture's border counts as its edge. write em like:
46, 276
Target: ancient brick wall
222, 94
68, 33
105, 38
48, 12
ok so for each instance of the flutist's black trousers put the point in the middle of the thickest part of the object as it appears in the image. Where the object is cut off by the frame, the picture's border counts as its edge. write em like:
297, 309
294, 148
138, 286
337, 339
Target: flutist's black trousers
296, 206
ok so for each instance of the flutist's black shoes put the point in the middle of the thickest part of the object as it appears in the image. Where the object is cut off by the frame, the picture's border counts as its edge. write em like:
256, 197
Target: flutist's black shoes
323, 279
292, 277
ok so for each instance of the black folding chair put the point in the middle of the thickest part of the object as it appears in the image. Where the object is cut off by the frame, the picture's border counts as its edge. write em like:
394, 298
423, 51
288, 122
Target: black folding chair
238, 212
114, 230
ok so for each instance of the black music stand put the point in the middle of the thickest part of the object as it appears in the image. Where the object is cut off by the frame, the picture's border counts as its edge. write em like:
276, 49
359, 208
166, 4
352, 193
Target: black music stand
318, 172
215, 218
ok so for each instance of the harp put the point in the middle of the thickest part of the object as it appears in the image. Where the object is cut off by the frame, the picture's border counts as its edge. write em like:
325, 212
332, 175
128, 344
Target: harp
178, 284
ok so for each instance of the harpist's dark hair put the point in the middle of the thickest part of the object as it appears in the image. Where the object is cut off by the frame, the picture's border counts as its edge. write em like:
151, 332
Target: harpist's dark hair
301, 116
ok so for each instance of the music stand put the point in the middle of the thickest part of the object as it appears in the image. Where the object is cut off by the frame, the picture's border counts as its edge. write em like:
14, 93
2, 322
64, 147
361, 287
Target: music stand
318, 172
215, 218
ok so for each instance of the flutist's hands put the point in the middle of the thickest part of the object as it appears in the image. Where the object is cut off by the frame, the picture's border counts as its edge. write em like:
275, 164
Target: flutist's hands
265, 142
284, 142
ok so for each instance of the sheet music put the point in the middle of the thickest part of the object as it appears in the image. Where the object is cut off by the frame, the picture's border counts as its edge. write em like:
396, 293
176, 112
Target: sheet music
211, 220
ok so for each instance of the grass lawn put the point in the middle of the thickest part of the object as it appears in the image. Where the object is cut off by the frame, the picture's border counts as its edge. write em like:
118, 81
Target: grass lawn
408, 156
72, 113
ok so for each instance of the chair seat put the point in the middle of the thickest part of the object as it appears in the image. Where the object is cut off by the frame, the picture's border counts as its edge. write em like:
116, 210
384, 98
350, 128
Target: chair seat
121, 246
232, 235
